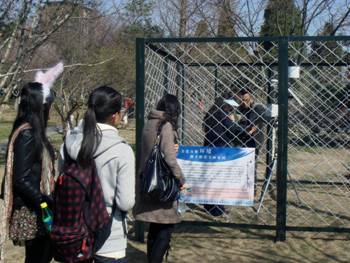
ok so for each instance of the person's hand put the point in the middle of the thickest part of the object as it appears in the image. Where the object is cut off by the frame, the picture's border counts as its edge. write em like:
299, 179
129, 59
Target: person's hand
184, 187
253, 130
232, 117
176, 148
246, 100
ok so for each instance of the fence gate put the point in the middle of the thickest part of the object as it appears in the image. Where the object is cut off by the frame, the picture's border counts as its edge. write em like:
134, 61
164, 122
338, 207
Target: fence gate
303, 165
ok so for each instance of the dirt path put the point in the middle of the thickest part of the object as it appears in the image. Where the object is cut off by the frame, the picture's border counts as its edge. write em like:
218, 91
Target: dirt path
223, 245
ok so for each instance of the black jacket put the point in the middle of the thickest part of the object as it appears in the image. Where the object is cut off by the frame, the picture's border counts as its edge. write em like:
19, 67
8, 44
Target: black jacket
26, 172
220, 130
255, 115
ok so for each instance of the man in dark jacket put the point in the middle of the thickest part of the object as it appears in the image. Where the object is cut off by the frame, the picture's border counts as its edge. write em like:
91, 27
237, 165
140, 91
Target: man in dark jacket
221, 131
253, 120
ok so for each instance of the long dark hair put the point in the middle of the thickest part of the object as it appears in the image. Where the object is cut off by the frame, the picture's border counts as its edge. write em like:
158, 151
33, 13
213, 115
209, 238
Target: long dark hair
32, 110
103, 103
171, 106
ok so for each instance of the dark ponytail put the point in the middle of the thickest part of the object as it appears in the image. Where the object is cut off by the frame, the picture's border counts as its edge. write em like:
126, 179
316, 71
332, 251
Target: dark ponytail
103, 103
92, 137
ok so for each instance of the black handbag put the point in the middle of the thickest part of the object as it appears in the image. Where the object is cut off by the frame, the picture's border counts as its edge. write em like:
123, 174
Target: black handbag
158, 181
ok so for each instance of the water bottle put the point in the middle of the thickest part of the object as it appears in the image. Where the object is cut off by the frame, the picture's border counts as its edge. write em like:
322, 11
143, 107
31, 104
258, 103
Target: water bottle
182, 207
46, 216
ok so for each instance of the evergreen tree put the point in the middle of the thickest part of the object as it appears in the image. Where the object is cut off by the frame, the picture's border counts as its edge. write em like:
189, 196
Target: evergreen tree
326, 51
281, 18
139, 13
329, 89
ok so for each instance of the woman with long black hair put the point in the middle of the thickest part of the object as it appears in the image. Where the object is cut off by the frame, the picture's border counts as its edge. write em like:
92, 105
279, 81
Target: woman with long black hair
29, 176
161, 215
97, 140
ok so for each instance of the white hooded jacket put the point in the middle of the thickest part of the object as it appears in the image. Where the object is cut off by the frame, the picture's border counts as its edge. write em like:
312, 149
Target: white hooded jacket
115, 163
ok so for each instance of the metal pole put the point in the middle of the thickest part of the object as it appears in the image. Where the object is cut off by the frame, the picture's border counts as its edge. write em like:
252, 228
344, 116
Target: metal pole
216, 82
140, 112
282, 156
166, 75
183, 103
269, 127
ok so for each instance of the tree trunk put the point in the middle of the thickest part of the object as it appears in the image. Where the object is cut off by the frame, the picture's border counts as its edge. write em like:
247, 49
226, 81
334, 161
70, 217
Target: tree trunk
183, 18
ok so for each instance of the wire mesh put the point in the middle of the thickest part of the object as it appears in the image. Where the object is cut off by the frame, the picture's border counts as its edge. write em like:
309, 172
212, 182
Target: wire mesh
201, 74
319, 136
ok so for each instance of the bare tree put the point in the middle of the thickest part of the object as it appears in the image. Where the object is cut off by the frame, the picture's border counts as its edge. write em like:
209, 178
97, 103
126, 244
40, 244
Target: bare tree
85, 42
315, 13
80, 34
248, 15
179, 17
22, 34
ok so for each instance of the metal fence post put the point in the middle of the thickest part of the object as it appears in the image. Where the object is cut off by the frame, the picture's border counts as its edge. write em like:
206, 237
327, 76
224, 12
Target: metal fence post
269, 128
180, 93
216, 87
140, 112
166, 75
282, 160
183, 104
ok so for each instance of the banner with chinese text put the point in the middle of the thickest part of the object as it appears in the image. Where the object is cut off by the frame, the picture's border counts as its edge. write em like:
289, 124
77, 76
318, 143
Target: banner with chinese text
221, 176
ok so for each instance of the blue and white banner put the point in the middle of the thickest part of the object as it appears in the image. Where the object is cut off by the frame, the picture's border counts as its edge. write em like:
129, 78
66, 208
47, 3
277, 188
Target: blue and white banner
221, 176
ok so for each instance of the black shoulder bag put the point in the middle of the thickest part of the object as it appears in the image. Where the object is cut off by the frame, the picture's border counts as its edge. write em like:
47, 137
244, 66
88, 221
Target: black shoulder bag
158, 182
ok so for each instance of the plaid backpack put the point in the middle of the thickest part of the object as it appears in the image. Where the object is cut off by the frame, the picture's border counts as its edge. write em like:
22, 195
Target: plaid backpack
81, 222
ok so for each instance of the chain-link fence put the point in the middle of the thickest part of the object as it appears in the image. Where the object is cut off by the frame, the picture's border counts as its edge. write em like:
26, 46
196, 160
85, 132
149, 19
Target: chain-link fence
303, 165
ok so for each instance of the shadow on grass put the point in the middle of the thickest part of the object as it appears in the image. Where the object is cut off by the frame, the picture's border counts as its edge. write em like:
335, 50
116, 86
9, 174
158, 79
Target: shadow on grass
319, 211
209, 244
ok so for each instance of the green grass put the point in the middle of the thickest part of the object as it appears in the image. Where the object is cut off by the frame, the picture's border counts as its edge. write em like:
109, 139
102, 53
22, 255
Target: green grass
310, 149
5, 129
2, 159
56, 141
